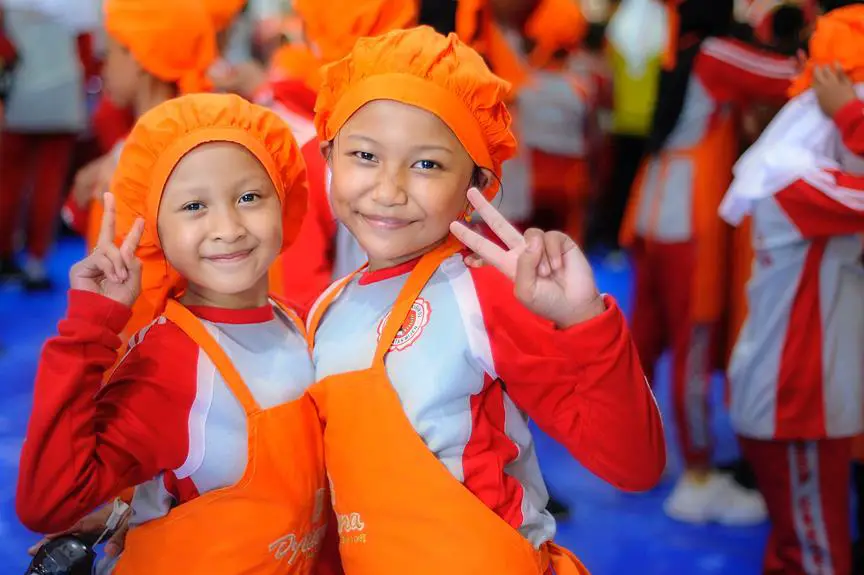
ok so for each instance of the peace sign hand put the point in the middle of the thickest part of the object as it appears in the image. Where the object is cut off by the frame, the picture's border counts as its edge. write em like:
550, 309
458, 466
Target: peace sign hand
111, 271
551, 275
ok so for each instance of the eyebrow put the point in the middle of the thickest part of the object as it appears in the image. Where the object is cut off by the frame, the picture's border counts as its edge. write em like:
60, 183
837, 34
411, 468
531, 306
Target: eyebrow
418, 148
202, 191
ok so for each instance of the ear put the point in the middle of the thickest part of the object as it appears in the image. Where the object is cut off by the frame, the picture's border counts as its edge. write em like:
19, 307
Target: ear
326, 149
483, 179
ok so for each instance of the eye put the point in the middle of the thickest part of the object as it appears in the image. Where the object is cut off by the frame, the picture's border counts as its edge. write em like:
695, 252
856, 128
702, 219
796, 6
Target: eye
193, 207
365, 156
249, 197
427, 165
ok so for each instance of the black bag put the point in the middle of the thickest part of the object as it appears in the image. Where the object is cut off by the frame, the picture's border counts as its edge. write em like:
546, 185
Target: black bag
67, 555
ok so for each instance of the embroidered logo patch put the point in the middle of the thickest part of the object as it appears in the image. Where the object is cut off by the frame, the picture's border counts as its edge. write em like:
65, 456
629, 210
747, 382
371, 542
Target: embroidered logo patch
413, 326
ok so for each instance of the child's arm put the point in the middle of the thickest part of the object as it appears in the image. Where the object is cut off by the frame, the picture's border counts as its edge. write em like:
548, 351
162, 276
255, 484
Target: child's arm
583, 385
84, 445
733, 71
825, 202
80, 451
564, 353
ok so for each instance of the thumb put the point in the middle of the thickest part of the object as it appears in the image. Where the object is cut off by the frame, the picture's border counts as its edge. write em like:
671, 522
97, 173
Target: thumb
527, 264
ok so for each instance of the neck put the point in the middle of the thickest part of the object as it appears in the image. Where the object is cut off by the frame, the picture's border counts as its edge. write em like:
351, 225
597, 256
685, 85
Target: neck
376, 264
155, 93
254, 297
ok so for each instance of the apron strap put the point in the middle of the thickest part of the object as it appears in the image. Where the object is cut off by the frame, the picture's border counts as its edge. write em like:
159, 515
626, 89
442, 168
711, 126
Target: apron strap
192, 326
418, 279
290, 315
320, 306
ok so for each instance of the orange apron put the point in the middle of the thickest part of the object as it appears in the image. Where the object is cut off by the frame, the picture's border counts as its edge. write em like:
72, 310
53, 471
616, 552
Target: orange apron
399, 509
272, 521
712, 159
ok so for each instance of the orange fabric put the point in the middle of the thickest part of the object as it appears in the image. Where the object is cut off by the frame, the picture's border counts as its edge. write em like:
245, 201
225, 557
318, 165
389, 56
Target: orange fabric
555, 25
741, 266
176, 44
333, 27
272, 521
472, 16
399, 510
292, 61
476, 27
94, 223
712, 159
223, 12
838, 38
422, 68
670, 54
160, 139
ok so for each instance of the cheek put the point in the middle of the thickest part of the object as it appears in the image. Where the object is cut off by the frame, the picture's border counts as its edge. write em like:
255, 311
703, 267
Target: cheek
267, 226
179, 240
441, 203
346, 185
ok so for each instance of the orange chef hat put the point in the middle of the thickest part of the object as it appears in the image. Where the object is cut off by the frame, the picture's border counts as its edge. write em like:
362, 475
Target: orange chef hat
555, 25
839, 37
174, 42
160, 139
334, 25
223, 12
422, 68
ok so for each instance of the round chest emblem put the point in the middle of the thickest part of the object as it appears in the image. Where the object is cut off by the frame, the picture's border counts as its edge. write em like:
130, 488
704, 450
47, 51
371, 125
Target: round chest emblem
411, 328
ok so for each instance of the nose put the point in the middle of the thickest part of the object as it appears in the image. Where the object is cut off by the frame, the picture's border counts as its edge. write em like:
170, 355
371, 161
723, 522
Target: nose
227, 225
390, 188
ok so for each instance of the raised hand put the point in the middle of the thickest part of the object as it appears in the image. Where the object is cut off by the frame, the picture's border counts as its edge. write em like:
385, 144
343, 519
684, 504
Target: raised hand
551, 275
111, 271
833, 88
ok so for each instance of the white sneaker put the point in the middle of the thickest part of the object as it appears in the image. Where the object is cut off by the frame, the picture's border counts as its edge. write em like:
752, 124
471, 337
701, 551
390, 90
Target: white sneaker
716, 498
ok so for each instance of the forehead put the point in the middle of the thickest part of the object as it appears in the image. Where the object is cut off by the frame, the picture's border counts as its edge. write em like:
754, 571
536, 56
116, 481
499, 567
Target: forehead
215, 164
386, 120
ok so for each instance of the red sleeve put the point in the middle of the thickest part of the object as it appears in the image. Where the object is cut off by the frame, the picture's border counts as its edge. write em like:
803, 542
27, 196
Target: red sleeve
308, 263
825, 203
111, 124
734, 72
584, 386
85, 445
850, 121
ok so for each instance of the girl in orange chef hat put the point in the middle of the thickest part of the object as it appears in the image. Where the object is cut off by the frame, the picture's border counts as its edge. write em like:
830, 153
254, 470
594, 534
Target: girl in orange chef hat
206, 413
427, 370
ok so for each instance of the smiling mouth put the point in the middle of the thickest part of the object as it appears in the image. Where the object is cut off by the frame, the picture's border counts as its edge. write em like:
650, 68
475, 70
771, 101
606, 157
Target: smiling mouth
229, 258
386, 223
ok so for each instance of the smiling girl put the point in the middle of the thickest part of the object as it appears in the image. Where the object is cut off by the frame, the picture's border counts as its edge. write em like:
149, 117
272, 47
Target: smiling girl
427, 370
206, 413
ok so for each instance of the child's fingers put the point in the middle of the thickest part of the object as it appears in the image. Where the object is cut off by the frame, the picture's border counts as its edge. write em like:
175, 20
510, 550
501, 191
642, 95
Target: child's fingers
819, 75
34, 549
554, 244
130, 244
120, 270
108, 266
527, 265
